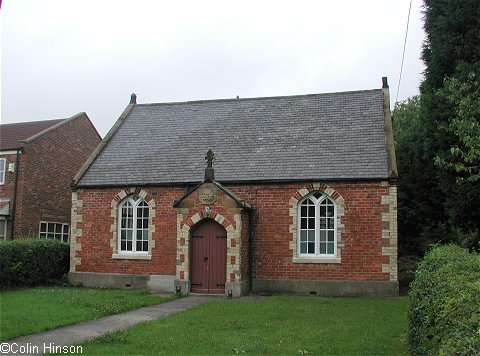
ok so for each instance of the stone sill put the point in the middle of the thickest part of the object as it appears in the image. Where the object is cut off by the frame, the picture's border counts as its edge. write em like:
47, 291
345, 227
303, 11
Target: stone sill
131, 256
317, 260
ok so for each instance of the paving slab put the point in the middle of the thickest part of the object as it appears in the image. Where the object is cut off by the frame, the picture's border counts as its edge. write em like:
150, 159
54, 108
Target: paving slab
67, 336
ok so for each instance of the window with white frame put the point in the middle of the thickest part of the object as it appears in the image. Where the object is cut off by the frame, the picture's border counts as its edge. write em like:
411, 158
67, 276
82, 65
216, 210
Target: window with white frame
317, 226
133, 227
3, 229
3, 169
54, 230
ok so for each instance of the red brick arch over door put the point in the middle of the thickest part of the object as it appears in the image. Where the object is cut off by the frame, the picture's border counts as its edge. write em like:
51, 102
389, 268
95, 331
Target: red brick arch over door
208, 248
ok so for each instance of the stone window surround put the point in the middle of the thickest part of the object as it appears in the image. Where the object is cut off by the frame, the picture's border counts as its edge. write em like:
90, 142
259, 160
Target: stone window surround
116, 201
293, 212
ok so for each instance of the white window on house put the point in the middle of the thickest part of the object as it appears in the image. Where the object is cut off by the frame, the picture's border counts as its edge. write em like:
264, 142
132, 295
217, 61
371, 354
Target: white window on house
54, 230
133, 227
317, 226
3, 163
3, 229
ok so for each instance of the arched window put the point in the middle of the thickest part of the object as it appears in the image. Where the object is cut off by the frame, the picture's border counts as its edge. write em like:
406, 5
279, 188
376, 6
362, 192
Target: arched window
317, 226
133, 227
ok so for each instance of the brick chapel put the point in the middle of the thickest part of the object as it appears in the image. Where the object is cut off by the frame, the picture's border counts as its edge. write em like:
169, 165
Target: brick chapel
292, 194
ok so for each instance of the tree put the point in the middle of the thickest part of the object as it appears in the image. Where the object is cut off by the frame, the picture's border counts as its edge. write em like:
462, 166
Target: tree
463, 158
437, 134
445, 154
408, 133
421, 214
452, 45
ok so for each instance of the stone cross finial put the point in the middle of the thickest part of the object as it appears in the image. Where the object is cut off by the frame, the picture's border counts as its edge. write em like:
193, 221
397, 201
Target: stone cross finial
210, 157
209, 172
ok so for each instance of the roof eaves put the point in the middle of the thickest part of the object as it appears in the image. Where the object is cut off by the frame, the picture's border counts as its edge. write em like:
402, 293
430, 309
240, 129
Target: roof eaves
19, 148
237, 181
102, 144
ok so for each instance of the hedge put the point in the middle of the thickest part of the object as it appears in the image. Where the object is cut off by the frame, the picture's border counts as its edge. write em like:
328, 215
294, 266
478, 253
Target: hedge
444, 312
30, 262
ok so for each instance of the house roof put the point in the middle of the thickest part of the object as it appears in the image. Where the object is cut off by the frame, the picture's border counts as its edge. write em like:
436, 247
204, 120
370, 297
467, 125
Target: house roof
334, 136
13, 135
17, 135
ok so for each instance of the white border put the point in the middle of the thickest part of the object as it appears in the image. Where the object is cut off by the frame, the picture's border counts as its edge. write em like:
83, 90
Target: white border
317, 202
54, 222
4, 228
2, 178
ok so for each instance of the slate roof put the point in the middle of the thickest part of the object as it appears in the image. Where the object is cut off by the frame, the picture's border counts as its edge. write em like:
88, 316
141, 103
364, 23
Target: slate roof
308, 137
12, 135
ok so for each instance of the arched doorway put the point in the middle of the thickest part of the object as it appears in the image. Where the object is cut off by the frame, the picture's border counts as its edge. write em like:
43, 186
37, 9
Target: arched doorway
208, 262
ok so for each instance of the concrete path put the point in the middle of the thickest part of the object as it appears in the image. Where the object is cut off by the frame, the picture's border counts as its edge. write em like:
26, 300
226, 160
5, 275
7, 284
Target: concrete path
67, 336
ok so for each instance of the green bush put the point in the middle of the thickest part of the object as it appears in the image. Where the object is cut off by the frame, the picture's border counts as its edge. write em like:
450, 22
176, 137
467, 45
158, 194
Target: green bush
444, 312
30, 262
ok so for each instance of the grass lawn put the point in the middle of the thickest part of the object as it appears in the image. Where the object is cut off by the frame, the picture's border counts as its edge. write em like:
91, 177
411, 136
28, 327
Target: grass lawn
274, 325
31, 310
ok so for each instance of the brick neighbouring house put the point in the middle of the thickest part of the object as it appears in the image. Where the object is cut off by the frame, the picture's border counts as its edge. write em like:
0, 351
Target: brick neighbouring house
38, 161
301, 197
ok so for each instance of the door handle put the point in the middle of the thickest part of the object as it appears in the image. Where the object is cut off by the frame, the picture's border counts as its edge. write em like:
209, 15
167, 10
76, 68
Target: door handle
205, 259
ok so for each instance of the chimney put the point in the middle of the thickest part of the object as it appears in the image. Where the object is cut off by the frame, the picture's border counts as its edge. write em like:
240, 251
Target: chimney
384, 82
133, 98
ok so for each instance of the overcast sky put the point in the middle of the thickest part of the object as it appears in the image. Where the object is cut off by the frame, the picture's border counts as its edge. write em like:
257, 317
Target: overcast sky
61, 57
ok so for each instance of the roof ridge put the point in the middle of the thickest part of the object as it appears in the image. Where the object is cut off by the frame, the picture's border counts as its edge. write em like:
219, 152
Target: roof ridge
31, 122
15, 135
208, 101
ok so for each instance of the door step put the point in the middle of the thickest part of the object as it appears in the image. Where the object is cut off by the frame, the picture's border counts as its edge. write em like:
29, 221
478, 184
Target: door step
207, 295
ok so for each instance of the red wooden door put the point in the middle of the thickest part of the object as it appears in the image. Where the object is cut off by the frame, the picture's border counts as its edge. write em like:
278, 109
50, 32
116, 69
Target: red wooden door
208, 260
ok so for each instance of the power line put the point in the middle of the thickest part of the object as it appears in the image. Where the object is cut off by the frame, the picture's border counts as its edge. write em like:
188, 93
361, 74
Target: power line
403, 55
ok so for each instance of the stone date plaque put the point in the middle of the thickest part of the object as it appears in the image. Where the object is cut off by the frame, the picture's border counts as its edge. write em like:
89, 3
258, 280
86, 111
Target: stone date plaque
207, 196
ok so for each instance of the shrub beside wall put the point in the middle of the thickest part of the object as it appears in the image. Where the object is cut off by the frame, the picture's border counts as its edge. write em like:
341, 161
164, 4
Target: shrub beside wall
444, 313
32, 262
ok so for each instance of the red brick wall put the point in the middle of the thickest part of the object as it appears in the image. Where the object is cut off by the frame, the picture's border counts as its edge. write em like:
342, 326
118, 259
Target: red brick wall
96, 252
361, 257
244, 247
6, 189
47, 167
